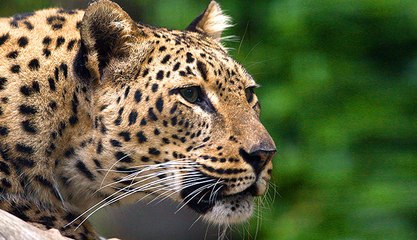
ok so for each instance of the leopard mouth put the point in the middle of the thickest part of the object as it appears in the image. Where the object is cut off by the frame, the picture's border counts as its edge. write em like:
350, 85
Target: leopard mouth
217, 207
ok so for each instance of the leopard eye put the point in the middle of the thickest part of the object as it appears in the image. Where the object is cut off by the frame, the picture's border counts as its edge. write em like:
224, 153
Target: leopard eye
191, 94
249, 92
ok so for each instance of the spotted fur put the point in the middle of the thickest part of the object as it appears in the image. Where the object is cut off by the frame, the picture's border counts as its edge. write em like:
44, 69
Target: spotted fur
92, 112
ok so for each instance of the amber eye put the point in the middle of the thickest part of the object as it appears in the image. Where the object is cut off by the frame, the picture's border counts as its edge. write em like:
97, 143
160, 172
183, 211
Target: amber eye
191, 94
249, 94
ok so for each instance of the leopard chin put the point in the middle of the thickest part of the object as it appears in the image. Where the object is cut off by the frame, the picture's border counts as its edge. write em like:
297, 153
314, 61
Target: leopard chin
231, 210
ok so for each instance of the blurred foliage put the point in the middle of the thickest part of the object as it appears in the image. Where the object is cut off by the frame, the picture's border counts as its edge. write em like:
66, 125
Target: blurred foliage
339, 96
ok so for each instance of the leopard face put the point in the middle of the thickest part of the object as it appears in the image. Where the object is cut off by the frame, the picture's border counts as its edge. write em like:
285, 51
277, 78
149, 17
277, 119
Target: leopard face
193, 118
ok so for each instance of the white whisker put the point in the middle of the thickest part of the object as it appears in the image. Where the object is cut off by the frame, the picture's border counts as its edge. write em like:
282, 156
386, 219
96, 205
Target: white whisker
211, 194
195, 222
114, 164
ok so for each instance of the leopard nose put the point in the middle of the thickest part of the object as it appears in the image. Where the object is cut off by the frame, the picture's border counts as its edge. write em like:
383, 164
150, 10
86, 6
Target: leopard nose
258, 158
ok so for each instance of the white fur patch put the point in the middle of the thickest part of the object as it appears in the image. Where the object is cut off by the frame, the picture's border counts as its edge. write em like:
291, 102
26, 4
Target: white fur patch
231, 210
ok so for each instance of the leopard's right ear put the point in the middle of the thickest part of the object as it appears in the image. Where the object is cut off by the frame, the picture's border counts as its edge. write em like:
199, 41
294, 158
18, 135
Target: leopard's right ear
107, 33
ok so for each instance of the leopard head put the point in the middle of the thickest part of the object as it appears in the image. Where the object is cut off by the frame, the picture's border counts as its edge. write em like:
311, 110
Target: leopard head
180, 115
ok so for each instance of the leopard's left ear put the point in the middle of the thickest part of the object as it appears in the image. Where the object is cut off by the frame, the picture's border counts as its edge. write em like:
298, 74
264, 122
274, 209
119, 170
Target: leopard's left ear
107, 33
212, 21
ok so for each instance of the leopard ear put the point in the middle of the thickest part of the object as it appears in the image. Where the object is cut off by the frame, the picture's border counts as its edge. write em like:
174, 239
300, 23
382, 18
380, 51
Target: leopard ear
212, 21
107, 32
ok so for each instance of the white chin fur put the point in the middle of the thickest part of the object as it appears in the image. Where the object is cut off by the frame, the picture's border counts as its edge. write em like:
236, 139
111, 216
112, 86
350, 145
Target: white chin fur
231, 210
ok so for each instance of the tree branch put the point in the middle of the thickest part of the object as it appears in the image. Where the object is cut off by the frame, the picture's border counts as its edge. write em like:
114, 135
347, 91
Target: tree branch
13, 228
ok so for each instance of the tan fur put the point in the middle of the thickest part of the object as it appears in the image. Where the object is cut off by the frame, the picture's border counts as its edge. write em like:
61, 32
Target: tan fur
79, 115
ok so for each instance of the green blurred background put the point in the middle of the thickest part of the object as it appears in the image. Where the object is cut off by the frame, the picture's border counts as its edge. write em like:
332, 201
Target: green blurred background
339, 96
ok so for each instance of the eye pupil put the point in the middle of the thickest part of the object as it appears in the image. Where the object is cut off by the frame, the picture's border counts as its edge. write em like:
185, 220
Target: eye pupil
190, 94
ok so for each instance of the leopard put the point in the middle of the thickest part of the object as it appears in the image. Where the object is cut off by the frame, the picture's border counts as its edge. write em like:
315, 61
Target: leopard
98, 109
